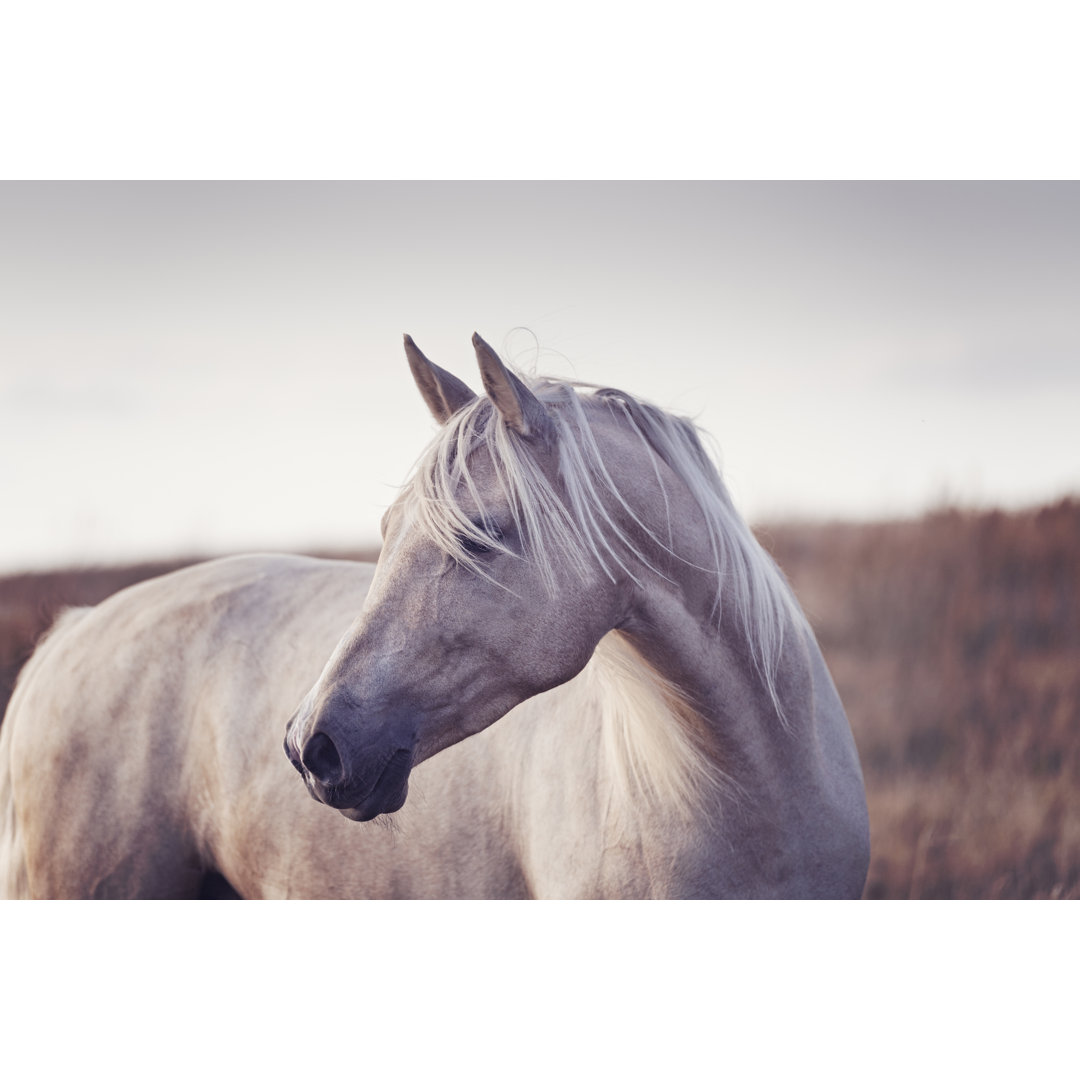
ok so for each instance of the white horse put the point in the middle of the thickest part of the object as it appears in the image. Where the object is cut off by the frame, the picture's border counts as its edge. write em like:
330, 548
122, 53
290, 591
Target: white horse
572, 673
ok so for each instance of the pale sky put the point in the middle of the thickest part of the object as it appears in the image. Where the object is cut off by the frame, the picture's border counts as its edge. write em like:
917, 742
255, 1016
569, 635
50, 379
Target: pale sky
204, 368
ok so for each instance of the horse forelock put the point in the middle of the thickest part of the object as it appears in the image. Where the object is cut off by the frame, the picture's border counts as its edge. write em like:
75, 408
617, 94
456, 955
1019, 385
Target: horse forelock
572, 534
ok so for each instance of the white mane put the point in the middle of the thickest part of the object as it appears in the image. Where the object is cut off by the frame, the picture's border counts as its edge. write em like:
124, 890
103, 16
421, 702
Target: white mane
567, 537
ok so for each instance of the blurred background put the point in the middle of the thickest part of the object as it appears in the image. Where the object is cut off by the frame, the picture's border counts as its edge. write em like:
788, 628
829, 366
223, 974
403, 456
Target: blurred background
891, 372
212, 366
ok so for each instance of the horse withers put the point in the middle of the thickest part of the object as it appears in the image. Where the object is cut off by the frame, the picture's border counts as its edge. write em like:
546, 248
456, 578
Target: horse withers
573, 672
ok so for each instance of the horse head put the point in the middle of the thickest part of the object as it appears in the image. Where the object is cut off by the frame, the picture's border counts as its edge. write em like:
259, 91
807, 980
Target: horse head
505, 560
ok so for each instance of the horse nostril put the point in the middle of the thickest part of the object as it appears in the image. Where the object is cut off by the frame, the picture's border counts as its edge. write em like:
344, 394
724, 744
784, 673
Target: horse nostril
322, 759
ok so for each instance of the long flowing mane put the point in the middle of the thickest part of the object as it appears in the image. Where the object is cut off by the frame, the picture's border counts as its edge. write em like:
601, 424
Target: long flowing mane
575, 535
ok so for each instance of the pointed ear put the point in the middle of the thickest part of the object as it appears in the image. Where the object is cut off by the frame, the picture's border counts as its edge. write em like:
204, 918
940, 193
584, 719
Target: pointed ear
517, 404
443, 392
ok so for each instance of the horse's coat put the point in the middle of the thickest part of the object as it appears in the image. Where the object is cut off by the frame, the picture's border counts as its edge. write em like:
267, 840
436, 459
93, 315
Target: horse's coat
573, 672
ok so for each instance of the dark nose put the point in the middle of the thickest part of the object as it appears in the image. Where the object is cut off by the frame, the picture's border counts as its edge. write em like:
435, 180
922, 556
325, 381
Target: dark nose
322, 760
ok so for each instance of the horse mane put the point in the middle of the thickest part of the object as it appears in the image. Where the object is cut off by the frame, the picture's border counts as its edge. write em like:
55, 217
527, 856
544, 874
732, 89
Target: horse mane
649, 728
657, 745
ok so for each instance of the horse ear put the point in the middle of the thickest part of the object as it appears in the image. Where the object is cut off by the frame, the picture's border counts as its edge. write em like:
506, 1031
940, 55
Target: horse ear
443, 392
519, 407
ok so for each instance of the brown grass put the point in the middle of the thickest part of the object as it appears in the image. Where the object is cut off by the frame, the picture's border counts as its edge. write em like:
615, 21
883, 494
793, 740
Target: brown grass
954, 641
955, 644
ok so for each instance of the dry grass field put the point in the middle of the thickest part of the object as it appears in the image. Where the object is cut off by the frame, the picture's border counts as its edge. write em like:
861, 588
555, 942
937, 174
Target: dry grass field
955, 643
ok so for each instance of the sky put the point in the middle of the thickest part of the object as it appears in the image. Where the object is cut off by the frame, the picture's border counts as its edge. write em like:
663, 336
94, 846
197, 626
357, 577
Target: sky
200, 368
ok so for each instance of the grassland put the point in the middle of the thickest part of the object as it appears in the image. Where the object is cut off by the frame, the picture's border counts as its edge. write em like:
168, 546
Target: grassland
955, 643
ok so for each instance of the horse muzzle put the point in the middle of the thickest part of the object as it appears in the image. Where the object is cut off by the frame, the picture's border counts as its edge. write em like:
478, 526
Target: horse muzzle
361, 786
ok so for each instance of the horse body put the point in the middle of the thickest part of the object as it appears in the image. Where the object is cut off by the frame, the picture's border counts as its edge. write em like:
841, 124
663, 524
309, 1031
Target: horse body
107, 798
577, 697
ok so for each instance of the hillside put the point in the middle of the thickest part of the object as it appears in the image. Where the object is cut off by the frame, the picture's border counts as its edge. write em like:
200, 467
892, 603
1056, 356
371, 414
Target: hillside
954, 641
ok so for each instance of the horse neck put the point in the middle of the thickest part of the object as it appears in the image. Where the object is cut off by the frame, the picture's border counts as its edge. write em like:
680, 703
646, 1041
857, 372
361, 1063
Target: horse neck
675, 631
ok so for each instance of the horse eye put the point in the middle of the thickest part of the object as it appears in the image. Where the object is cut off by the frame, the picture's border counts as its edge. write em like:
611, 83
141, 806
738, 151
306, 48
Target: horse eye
475, 546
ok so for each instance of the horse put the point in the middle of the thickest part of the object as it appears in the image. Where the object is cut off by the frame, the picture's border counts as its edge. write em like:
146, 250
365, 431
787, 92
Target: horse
572, 673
